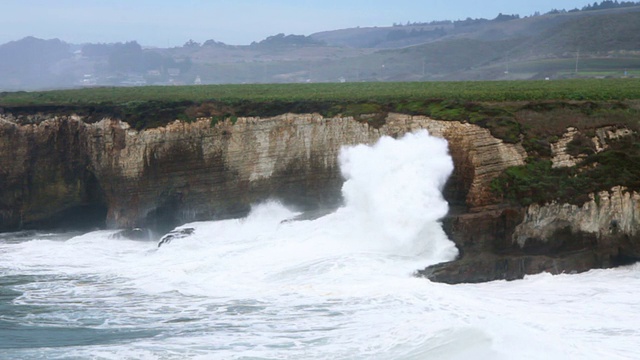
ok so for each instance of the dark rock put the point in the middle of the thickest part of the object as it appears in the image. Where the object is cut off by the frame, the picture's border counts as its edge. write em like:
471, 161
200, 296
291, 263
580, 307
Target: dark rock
46, 176
489, 267
489, 230
133, 234
176, 234
311, 215
488, 252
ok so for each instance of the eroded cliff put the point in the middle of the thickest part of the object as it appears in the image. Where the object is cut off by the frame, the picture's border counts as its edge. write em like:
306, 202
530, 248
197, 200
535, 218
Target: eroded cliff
65, 170
189, 171
590, 230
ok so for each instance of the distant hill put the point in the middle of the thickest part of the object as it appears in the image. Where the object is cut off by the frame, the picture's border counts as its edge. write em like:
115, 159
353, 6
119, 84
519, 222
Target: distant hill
602, 34
33, 62
600, 40
605, 43
500, 28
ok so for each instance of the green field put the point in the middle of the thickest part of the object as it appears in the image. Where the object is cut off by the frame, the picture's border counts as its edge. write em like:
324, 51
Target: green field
578, 89
614, 67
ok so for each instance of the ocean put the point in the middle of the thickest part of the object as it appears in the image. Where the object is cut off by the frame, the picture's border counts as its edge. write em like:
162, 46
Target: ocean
277, 285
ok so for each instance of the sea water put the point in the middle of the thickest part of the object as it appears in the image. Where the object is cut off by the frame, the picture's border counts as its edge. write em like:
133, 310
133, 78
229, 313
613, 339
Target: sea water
270, 286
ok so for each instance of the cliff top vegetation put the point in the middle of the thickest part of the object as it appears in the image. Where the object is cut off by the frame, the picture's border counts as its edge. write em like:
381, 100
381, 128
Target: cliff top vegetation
534, 113
482, 102
525, 90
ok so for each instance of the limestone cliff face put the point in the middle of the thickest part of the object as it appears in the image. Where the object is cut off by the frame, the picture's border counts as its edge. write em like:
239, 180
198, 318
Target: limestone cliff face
51, 166
191, 171
562, 157
510, 243
44, 170
62, 170
477, 155
610, 216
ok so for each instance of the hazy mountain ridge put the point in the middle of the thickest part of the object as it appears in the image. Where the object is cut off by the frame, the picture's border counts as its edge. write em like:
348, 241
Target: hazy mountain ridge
32, 62
596, 42
502, 27
604, 33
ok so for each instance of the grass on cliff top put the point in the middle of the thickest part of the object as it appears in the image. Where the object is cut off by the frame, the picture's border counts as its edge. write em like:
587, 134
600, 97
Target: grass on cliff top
578, 89
535, 113
152, 106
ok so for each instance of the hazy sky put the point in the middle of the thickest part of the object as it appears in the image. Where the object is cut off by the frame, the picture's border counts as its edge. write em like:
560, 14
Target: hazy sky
237, 22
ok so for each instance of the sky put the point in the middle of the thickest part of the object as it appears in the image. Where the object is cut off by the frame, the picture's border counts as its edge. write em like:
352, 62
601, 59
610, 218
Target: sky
167, 23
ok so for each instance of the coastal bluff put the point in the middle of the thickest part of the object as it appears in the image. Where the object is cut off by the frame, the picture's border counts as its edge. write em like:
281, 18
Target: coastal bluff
63, 170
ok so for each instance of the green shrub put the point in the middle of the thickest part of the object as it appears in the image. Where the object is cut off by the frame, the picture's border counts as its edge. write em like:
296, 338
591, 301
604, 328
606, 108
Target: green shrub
538, 182
580, 145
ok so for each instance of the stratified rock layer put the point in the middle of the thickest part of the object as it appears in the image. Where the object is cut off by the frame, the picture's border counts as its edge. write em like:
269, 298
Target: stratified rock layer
556, 238
190, 171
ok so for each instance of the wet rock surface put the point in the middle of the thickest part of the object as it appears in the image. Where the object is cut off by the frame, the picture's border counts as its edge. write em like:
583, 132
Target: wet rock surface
176, 234
133, 234
509, 243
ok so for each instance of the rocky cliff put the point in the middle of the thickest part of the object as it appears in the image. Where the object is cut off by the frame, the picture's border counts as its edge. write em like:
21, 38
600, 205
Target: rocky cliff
509, 242
65, 171
189, 171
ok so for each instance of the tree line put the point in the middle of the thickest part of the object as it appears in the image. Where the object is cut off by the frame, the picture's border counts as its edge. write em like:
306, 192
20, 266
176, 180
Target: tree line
604, 5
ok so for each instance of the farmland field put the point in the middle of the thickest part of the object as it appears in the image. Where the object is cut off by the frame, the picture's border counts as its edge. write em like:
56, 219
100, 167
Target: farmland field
378, 92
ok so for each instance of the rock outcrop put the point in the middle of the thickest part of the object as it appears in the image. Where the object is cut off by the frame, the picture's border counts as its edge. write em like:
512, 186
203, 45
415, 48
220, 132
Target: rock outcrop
46, 176
561, 157
557, 238
60, 167
65, 171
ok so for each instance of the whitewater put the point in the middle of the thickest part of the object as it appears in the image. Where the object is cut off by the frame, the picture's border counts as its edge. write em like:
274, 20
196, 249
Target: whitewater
277, 285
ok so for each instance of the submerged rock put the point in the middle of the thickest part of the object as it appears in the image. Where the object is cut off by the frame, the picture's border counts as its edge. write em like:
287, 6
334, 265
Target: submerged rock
176, 234
489, 267
133, 234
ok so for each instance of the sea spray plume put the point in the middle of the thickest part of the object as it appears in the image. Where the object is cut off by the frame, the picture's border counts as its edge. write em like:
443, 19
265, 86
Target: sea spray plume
393, 204
394, 191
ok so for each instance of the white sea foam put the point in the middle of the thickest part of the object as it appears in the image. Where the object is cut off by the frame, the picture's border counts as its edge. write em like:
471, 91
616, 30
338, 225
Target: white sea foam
338, 287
